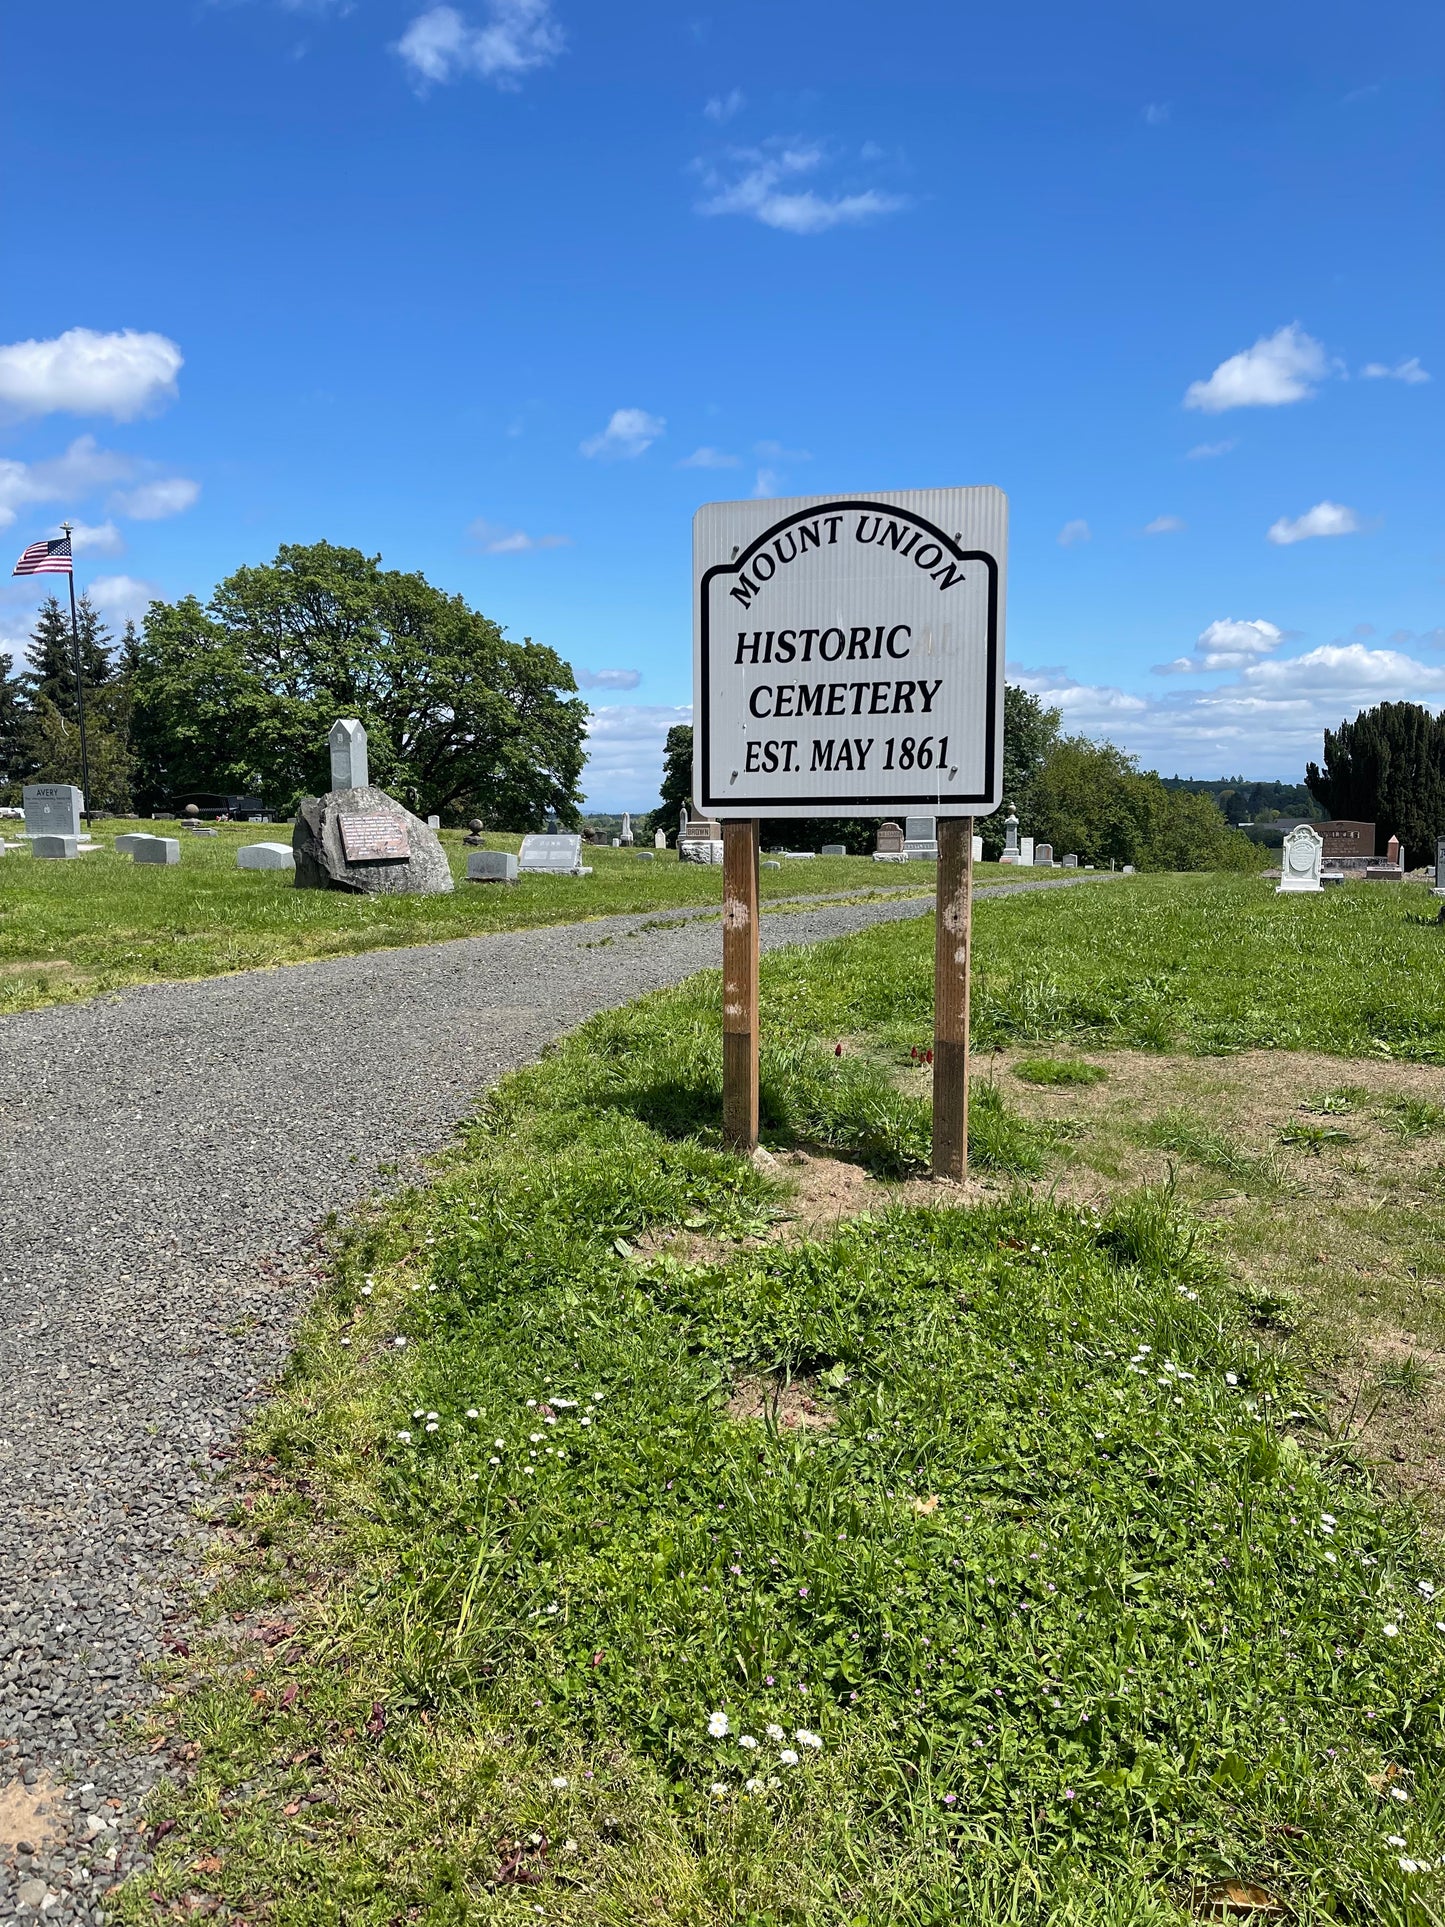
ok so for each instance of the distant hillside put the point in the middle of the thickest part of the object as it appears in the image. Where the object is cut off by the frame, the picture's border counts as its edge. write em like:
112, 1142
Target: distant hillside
1244, 802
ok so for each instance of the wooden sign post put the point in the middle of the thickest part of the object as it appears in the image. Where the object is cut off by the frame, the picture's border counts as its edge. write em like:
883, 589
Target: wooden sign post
952, 942
848, 657
740, 984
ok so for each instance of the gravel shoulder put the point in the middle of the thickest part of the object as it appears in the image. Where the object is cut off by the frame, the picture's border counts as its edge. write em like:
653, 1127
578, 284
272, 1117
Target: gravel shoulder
166, 1156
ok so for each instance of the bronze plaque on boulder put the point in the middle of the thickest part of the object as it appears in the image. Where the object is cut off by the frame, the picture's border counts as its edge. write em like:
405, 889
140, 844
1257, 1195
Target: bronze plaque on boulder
374, 839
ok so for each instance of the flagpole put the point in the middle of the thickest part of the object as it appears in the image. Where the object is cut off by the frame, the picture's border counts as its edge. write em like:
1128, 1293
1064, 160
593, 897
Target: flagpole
79, 691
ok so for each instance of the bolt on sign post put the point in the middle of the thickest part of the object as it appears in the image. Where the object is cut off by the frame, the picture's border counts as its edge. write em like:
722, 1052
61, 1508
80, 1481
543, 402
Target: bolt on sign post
848, 656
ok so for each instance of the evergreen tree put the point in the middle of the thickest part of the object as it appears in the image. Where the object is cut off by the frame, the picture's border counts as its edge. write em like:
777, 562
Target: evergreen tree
51, 655
1387, 767
16, 760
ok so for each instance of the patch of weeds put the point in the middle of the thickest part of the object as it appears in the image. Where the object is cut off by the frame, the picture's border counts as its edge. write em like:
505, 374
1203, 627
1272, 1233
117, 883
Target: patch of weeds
1059, 1070
1313, 1137
1412, 1117
1340, 1102
1409, 1376
1184, 1134
1269, 1310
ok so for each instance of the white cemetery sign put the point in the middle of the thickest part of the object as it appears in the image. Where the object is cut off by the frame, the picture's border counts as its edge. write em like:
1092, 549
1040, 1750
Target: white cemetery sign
1301, 860
348, 755
849, 652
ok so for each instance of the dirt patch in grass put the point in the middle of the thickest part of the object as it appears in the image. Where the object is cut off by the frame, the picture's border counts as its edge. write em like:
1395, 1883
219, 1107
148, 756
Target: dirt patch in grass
792, 1404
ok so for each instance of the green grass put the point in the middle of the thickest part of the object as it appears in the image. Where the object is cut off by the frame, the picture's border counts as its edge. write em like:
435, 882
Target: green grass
1082, 1606
1050, 1071
1206, 964
71, 930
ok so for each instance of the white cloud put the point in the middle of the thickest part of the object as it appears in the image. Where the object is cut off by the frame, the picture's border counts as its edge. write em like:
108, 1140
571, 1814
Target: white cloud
761, 182
1226, 644
1325, 518
1156, 113
155, 501
630, 432
492, 539
624, 754
104, 538
1279, 368
1164, 525
518, 37
608, 678
1267, 720
71, 477
1074, 532
722, 107
1408, 371
85, 373
122, 598
709, 458
775, 452
1206, 451
767, 484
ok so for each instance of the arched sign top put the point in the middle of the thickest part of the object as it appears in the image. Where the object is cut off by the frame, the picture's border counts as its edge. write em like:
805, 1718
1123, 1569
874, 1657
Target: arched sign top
848, 654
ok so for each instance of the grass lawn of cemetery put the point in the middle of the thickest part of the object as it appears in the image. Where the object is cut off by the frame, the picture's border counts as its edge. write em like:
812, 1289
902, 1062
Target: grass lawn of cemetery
70, 930
641, 1533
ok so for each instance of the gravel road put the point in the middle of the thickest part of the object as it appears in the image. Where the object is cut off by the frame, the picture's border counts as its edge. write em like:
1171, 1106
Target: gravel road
165, 1158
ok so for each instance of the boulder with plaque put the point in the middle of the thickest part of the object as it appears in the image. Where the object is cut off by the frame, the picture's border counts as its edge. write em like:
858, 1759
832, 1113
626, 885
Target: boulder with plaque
358, 838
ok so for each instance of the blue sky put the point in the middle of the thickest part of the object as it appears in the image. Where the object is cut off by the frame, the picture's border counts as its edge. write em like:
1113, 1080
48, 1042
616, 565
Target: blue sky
504, 290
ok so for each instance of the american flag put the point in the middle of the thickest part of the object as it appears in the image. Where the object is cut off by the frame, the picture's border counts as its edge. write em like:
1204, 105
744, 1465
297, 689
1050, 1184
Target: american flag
45, 558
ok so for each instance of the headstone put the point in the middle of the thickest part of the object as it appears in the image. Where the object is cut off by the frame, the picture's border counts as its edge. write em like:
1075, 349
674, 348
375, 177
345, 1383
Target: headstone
54, 846
53, 809
772, 863
890, 840
1070, 862
659, 839
1301, 861
1345, 838
920, 836
433, 822
125, 844
647, 856
626, 839
552, 854
1439, 889
491, 866
978, 849
1044, 856
699, 839
348, 755
158, 849
265, 856
798, 856
362, 840
1128, 870
1393, 852
835, 849
1384, 873
616, 842
1010, 839
1026, 852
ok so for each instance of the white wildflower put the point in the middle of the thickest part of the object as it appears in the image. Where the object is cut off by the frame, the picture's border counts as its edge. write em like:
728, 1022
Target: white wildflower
719, 1789
472, 1412
405, 1437
787, 1757
774, 1733
747, 1740
752, 1786
1391, 1631
559, 1780
717, 1725
805, 1738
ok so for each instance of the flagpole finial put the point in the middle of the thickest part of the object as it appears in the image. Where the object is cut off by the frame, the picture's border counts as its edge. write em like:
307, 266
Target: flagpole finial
66, 526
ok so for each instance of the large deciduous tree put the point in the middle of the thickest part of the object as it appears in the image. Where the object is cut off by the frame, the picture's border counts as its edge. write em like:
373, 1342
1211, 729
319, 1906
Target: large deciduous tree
240, 694
1387, 767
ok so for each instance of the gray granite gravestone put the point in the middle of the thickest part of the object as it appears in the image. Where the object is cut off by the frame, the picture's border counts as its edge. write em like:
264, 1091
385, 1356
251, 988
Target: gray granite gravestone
125, 844
491, 866
835, 849
54, 846
1439, 890
1010, 839
1071, 862
53, 809
157, 849
1044, 856
266, 856
557, 855
920, 836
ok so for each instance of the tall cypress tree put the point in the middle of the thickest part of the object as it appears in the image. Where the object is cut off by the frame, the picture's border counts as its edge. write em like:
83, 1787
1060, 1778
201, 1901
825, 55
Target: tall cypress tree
1387, 767
51, 654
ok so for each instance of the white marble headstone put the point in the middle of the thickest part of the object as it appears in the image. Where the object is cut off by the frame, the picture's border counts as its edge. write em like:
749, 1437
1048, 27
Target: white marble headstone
1301, 860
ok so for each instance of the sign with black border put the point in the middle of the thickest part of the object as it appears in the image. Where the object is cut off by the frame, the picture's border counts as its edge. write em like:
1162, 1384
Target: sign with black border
849, 653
